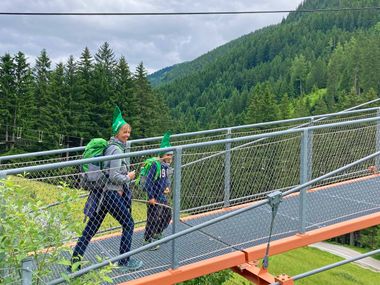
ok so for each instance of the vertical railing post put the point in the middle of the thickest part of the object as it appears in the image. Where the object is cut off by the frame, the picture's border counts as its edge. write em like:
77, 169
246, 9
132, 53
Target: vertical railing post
26, 267
305, 175
377, 158
176, 203
227, 171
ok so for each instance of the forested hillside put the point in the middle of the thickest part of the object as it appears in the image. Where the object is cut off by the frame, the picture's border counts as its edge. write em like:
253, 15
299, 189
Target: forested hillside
277, 71
44, 107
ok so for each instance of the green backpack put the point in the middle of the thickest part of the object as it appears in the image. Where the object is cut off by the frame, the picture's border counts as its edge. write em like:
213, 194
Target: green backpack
92, 176
144, 171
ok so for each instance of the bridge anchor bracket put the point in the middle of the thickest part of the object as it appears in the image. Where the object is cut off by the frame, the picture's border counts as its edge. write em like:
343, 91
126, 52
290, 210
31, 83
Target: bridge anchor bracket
254, 273
284, 279
258, 275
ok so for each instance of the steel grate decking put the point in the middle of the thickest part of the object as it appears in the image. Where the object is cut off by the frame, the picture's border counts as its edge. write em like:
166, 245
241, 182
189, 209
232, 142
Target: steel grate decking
334, 204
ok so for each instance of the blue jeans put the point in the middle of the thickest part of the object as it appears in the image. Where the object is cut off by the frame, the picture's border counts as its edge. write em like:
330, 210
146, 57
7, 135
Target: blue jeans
119, 208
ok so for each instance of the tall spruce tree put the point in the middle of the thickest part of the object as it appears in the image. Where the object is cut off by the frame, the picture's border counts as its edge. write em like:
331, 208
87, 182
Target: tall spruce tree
125, 96
44, 119
263, 106
24, 91
148, 114
85, 102
8, 98
57, 105
104, 88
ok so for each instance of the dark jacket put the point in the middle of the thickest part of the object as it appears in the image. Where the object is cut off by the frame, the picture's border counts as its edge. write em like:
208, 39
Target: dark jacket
155, 187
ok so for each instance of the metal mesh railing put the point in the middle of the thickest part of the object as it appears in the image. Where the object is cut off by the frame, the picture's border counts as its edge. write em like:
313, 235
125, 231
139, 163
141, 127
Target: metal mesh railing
210, 179
10, 275
24, 160
335, 147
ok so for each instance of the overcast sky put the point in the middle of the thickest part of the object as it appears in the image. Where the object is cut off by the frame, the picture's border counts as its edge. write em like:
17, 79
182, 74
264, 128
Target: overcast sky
158, 41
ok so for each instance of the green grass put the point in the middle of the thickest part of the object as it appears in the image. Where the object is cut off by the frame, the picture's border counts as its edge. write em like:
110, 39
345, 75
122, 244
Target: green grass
48, 194
359, 249
305, 259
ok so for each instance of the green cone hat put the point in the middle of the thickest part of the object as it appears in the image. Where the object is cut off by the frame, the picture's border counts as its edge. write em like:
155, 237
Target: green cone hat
117, 121
165, 142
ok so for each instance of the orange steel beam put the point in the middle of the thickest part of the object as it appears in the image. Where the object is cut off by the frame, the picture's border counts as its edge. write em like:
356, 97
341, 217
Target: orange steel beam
234, 259
260, 276
310, 237
254, 273
190, 271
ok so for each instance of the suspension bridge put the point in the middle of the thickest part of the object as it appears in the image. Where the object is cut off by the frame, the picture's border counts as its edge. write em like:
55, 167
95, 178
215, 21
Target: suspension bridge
239, 194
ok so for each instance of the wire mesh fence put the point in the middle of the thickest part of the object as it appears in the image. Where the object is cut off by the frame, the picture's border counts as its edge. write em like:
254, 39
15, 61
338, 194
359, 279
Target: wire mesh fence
216, 178
10, 275
180, 139
337, 146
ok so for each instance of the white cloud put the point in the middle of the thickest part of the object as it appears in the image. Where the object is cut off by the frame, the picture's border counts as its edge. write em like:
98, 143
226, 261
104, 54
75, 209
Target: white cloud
158, 41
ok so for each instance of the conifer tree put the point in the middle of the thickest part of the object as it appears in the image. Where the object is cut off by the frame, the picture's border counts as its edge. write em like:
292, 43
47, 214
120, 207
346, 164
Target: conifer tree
57, 103
71, 98
24, 91
8, 98
124, 96
104, 87
149, 109
263, 106
85, 95
43, 113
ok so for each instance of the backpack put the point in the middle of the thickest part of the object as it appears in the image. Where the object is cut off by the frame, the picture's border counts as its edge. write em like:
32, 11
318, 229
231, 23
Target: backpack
144, 171
92, 176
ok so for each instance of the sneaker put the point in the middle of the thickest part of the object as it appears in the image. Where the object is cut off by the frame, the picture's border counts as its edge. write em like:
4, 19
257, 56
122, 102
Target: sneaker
78, 267
157, 236
70, 270
150, 241
131, 265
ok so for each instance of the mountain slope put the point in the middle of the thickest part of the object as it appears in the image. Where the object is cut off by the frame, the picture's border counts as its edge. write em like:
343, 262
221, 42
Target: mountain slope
216, 89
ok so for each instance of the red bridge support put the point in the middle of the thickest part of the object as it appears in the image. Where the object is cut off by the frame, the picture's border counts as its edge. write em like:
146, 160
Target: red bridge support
260, 276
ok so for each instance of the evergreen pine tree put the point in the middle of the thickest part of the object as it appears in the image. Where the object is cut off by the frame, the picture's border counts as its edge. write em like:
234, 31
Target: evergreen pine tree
124, 96
8, 98
43, 115
86, 102
56, 105
263, 106
24, 91
104, 88
149, 109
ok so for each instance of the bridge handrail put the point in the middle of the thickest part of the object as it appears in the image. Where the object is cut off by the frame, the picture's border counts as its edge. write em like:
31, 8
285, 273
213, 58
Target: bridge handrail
204, 132
56, 165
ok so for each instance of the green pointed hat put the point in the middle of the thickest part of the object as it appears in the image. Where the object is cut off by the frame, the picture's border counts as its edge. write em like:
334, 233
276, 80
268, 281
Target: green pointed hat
165, 142
117, 121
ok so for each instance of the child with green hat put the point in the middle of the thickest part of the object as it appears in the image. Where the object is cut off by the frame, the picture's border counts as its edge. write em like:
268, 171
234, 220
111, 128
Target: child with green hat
157, 187
116, 197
